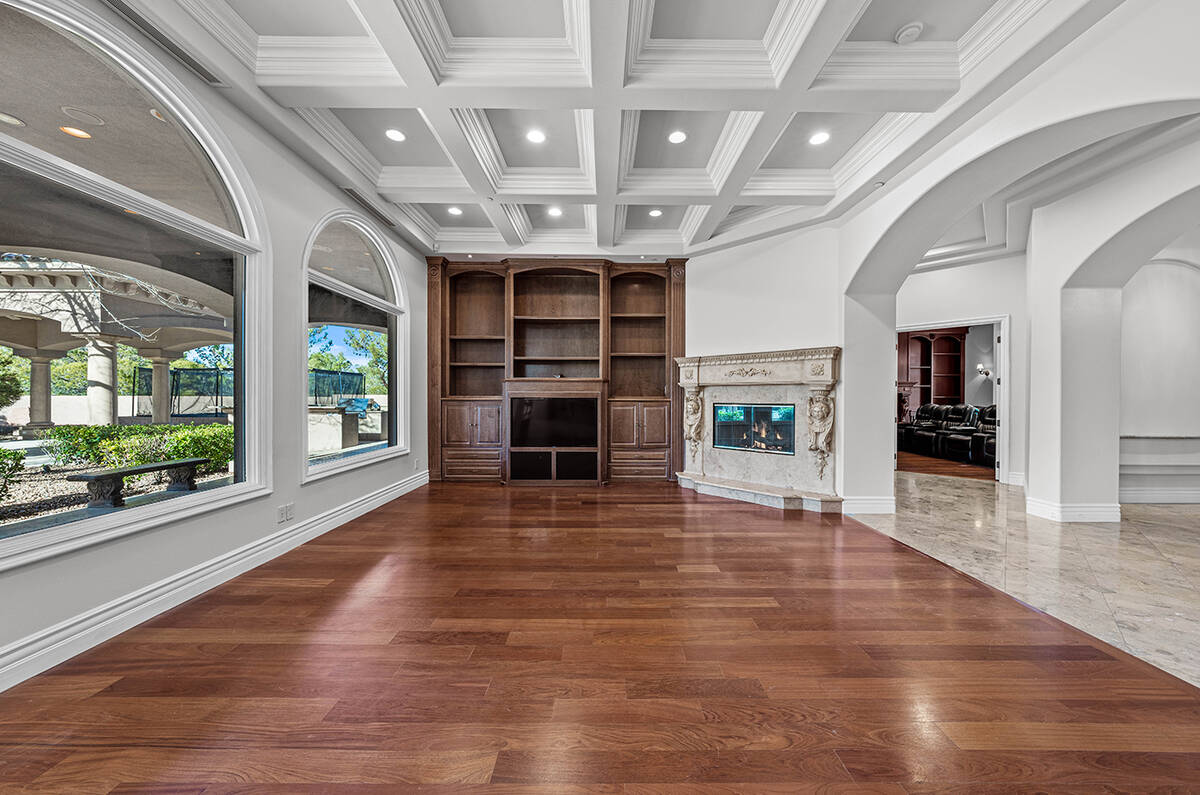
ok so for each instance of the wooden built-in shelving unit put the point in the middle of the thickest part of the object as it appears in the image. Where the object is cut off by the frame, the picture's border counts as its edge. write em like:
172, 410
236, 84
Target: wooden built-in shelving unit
542, 328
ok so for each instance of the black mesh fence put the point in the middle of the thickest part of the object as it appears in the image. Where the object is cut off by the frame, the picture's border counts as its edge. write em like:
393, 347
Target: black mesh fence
194, 392
330, 387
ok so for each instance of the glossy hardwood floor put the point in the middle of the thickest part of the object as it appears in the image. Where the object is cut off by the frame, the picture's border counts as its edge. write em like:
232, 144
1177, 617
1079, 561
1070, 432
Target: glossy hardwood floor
635, 639
925, 465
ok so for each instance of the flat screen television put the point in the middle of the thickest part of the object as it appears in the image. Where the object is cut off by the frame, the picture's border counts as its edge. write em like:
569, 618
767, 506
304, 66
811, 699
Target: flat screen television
553, 422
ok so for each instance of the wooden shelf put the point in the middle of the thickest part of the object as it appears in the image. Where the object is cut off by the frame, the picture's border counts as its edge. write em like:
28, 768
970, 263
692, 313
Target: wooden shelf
556, 358
657, 355
620, 315
476, 364
554, 319
477, 337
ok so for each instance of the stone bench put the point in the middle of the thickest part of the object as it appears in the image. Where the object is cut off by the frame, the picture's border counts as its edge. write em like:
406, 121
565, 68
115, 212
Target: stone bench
105, 487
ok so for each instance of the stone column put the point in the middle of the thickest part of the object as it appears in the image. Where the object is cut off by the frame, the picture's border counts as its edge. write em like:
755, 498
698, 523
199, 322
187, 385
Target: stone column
39, 393
102, 382
160, 390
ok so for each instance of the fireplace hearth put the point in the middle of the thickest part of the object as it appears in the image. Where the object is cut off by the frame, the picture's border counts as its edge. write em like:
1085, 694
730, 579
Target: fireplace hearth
757, 428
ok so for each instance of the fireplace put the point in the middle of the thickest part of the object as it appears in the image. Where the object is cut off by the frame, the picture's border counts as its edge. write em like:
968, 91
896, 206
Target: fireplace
758, 428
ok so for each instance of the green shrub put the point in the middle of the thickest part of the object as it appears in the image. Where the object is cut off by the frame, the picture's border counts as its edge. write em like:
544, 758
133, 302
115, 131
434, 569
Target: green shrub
11, 463
214, 442
81, 444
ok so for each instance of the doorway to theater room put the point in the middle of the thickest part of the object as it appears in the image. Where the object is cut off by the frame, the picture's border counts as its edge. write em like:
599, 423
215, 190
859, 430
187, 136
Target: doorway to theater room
949, 402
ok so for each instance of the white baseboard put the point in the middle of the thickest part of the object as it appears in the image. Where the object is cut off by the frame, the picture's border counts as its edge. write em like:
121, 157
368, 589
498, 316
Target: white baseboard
1164, 494
852, 505
1073, 512
46, 648
1016, 479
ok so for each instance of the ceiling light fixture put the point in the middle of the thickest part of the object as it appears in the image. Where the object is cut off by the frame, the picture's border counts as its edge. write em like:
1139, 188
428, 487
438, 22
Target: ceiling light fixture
536, 137
655, 213
677, 137
75, 132
395, 135
156, 113
455, 211
8, 118
819, 138
554, 212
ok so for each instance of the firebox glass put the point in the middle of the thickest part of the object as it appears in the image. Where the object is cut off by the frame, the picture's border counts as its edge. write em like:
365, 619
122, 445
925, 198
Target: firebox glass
761, 429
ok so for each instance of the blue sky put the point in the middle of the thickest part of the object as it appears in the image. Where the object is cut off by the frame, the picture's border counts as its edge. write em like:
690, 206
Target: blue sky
337, 335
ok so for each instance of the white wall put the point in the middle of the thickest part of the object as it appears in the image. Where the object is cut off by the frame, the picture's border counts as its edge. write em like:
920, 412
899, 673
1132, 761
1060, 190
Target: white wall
1160, 352
50, 600
980, 349
764, 296
986, 289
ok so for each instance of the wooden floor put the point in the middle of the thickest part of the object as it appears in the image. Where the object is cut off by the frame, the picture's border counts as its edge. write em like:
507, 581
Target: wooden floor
636, 639
911, 462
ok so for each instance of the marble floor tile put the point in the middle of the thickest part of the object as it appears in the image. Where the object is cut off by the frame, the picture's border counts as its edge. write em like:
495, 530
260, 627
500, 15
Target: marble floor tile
1135, 585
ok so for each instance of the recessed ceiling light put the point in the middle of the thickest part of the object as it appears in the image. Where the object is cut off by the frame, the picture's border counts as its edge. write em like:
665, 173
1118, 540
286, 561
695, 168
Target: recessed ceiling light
554, 212
536, 136
677, 137
75, 132
455, 211
819, 138
655, 213
470, 256
395, 135
909, 33
132, 212
8, 118
79, 114
156, 113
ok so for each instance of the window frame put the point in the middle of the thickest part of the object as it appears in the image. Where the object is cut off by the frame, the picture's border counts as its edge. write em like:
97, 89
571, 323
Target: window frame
253, 245
399, 354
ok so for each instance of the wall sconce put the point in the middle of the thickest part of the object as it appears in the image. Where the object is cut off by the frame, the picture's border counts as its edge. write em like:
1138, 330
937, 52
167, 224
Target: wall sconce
983, 371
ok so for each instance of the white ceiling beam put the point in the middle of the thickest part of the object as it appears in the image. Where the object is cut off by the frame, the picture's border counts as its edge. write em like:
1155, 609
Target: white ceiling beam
382, 18
609, 31
826, 30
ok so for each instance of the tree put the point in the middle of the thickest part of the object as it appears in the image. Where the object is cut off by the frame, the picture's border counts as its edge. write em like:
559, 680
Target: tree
128, 362
321, 355
374, 346
213, 356
68, 375
11, 388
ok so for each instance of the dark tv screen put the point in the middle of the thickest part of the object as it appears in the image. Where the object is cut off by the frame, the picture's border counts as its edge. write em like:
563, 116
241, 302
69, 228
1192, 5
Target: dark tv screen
554, 422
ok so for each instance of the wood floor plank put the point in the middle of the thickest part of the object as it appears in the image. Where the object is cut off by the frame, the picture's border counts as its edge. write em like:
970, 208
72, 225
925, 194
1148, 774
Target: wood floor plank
632, 640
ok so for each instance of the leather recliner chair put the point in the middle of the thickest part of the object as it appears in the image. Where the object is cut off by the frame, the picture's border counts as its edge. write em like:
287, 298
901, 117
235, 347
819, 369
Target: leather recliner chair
955, 443
926, 441
924, 418
983, 441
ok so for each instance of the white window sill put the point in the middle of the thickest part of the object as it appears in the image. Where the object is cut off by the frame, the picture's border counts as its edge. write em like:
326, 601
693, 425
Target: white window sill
58, 540
350, 462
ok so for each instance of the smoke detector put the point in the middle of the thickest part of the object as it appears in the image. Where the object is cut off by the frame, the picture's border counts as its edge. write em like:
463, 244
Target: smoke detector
910, 33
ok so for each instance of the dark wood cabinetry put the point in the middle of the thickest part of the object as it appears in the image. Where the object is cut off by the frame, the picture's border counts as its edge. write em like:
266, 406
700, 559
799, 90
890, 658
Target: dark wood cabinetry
545, 328
930, 367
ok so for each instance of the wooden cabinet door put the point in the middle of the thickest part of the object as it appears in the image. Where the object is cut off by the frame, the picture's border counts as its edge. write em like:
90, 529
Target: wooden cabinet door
654, 425
622, 425
456, 424
487, 424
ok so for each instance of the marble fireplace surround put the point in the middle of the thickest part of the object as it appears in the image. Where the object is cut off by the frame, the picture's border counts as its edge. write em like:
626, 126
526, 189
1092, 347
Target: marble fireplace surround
805, 377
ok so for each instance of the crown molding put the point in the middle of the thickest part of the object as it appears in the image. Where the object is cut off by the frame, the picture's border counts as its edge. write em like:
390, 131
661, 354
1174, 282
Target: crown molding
519, 219
744, 215
693, 216
739, 126
788, 30
337, 135
225, 25
416, 220
667, 182
324, 61
468, 235
869, 64
793, 183
526, 61
994, 28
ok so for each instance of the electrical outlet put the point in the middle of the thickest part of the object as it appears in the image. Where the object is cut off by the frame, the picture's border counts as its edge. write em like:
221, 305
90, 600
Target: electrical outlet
291, 511
281, 514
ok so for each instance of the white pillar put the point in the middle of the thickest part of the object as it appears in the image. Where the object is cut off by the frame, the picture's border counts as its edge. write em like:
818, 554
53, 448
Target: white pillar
866, 426
39, 392
1075, 406
102, 382
160, 391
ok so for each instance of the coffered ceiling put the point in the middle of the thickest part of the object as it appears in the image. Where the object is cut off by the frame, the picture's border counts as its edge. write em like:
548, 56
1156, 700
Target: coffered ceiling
546, 126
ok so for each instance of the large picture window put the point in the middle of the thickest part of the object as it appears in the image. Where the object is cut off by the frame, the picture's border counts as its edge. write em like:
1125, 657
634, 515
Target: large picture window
354, 323
125, 277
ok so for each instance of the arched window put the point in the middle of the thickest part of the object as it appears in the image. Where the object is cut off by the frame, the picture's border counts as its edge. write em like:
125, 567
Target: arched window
132, 279
355, 337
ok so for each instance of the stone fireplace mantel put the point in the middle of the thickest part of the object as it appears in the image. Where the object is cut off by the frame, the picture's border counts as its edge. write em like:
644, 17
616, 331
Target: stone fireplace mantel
803, 377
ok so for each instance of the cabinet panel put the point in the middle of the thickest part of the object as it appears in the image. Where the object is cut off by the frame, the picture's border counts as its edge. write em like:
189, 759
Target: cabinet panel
622, 425
655, 424
487, 424
456, 423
